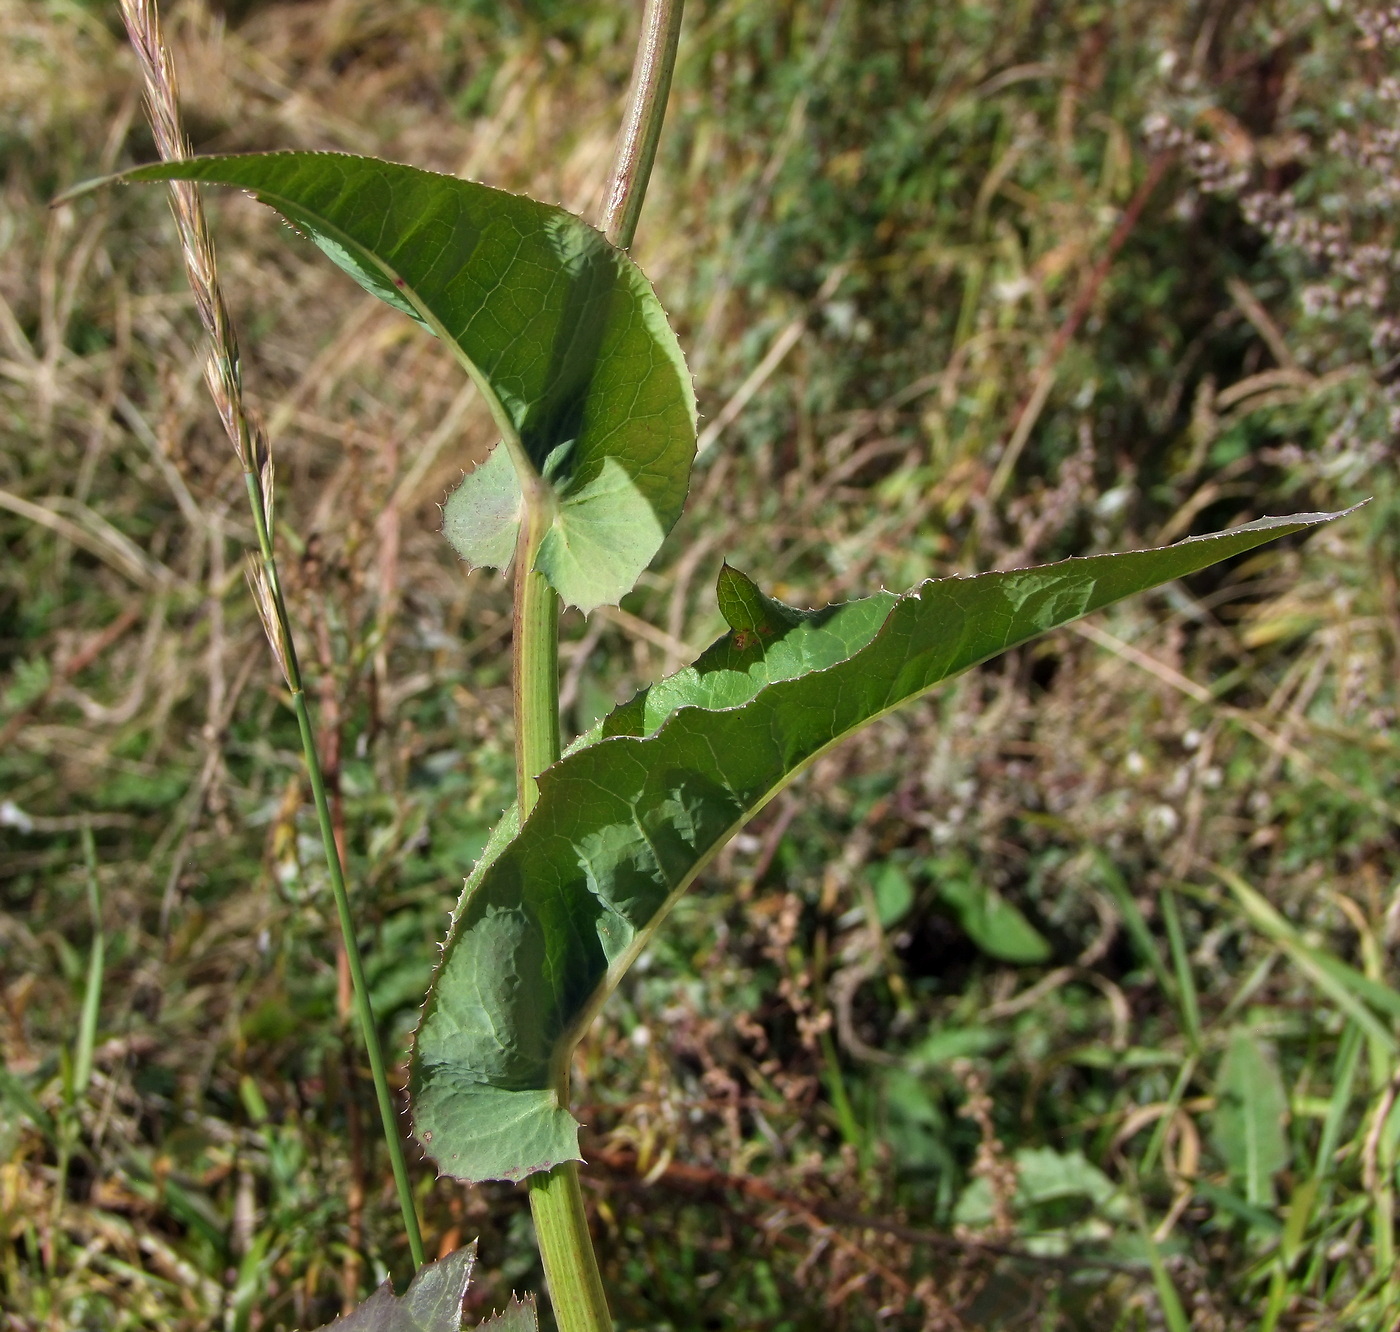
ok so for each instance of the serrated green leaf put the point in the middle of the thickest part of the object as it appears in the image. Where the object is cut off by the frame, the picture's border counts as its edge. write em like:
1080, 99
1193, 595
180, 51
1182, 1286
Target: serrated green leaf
517, 1316
432, 1302
554, 915
560, 330
1251, 1111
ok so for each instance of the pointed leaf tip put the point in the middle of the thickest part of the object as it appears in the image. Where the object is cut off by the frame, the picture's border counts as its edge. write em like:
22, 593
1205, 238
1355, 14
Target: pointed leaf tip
747, 610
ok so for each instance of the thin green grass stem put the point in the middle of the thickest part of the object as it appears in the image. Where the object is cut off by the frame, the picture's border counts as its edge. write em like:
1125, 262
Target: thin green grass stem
1159, 1134
364, 1008
1181, 964
92, 991
840, 1100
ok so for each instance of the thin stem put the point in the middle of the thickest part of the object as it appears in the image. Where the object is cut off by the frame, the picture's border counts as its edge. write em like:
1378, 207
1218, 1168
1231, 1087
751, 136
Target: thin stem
641, 125
363, 1006
277, 622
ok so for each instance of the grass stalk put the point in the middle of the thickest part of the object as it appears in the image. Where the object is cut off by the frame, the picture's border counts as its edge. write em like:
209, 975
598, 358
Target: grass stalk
556, 1198
92, 991
249, 444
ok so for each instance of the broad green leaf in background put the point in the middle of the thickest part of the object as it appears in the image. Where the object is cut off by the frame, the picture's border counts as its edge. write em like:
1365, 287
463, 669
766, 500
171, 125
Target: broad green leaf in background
556, 912
894, 895
560, 331
949, 1043
1251, 1111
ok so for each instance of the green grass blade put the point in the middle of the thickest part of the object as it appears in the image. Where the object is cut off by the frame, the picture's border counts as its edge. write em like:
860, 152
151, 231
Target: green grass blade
624, 824
1181, 965
1134, 921
92, 989
1344, 985
1173, 1312
25, 1102
1343, 1081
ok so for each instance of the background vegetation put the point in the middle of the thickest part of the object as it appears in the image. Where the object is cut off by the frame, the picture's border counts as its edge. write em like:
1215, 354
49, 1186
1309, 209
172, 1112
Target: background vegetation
992, 1042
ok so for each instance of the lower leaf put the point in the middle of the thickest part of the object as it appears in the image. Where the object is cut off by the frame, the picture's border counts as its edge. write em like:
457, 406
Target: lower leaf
433, 1303
557, 911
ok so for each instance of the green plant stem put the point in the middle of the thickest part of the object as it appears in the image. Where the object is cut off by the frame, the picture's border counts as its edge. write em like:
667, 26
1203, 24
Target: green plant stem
536, 681
566, 1249
364, 1009
92, 991
556, 1198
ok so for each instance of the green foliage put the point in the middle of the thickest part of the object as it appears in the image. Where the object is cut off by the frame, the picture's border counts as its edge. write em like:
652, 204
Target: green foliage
561, 332
968, 163
551, 920
1251, 1114
995, 925
31, 679
1057, 1195
433, 1303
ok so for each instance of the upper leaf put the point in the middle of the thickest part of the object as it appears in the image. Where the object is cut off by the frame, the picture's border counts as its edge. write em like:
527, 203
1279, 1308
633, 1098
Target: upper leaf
560, 330
555, 913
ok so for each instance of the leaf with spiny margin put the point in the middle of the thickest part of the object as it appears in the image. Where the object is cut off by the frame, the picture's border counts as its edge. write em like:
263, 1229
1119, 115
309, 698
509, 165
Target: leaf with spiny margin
557, 910
432, 1302
517, 1316
560, 330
